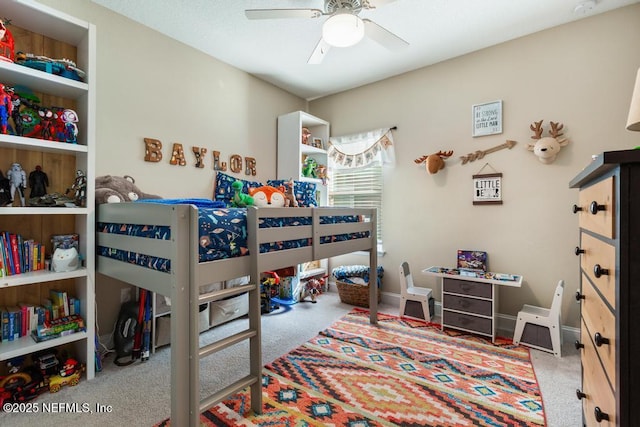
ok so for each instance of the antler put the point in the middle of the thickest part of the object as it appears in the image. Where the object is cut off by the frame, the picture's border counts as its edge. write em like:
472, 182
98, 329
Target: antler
421, 159
537, 129
444, 154
555, 129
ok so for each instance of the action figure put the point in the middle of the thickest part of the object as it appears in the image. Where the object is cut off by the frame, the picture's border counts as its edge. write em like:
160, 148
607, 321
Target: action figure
38, 182
70, 118
6, 107
80, 188
15, 112
5, 190
18, 181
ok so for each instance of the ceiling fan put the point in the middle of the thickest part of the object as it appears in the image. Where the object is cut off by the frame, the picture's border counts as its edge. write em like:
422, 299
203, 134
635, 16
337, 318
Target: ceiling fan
343, 27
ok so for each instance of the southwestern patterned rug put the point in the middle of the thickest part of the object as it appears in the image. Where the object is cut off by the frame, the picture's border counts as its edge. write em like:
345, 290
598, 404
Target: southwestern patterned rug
401, 372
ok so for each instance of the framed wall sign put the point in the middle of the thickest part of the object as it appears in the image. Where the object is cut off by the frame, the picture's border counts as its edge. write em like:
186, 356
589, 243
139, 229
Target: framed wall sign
487, 118
487, 189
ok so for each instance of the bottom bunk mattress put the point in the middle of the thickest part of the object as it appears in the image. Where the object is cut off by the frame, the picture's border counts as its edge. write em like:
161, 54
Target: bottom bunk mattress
222, 235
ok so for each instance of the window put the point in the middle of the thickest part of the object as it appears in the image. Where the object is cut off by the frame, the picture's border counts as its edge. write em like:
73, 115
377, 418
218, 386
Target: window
357, 163
358, 188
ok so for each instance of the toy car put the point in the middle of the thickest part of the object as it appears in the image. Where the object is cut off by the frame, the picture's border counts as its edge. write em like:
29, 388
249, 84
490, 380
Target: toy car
48, 364
56, 382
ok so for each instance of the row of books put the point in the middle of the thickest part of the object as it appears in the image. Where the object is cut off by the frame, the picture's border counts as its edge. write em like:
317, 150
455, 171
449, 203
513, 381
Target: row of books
27, 319
19, 255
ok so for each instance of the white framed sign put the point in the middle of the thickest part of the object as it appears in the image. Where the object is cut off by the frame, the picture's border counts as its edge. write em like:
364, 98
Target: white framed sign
487, 119
487, 189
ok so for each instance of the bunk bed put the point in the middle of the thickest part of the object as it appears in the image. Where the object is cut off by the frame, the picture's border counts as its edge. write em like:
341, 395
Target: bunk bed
177, 249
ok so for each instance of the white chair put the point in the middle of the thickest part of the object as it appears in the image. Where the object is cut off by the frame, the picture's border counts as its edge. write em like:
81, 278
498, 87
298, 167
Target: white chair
409, 292
545, 331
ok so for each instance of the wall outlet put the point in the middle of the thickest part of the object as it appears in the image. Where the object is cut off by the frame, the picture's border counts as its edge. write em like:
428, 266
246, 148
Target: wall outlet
125, 295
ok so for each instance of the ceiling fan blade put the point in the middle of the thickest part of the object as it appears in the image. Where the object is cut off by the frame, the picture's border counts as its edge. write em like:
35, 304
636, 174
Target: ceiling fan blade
319, 52
376, 3
282, 13
383, 36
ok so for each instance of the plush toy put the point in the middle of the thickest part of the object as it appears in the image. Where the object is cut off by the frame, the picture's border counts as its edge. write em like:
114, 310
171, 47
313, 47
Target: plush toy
289, 194
240, 200
267, 196
116, 189
312, 288
548, 147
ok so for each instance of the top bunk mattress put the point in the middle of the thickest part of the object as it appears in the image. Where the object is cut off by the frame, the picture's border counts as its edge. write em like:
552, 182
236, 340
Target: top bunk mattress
222, 235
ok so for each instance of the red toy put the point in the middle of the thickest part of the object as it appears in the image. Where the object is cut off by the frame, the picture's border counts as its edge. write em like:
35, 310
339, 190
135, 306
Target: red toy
6, 108
7, 44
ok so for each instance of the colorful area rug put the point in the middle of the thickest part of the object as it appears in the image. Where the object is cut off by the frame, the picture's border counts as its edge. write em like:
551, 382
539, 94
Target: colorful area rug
401, 372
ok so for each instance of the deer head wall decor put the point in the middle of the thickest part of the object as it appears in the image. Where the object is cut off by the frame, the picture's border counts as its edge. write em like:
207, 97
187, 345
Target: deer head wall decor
434, 162
547, 148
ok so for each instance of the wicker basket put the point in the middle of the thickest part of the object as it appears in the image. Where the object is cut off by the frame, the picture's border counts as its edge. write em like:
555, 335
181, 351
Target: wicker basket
355, 294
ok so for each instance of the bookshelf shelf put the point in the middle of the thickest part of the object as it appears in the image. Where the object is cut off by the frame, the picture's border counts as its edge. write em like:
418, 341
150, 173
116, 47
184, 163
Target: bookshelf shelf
19, 347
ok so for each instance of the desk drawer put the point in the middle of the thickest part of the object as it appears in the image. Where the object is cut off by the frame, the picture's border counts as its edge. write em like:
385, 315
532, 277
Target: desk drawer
602, 222
467, 322
476, 289
597, 252
469, 305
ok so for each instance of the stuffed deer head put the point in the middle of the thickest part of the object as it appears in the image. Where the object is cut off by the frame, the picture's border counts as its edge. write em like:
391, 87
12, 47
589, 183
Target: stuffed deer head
548, 147
434, 162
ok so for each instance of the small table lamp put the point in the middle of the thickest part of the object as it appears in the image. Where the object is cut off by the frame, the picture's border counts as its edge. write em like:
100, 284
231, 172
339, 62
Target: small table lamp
633, 122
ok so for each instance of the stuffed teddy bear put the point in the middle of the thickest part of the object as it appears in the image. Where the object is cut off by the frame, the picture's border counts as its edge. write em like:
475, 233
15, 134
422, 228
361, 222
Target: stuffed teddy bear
116, 189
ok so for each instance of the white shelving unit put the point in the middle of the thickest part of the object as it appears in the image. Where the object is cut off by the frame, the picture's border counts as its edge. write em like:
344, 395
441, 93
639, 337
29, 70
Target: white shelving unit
291, 149
291, 152
54, 33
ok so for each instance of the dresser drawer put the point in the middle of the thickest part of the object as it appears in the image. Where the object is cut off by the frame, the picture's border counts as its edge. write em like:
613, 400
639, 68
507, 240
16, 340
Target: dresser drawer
469, 305
598, 319
595, 386
467, 322
476, 289
602, 254
602, 222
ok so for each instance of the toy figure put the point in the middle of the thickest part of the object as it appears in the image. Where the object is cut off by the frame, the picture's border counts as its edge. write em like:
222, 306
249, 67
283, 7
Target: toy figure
289, 194
79, 187
45, 129
7, 43
5, 190
15, 112
309, 168
6, 108
321, 172
18, 181
38, 182
70, 118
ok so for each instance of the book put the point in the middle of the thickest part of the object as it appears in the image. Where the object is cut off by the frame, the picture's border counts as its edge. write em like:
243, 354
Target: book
65, 241
4, 318
13, 239
14, 323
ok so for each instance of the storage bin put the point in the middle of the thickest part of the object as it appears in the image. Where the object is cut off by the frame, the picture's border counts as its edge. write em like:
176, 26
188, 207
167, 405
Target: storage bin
228, 309
355, 293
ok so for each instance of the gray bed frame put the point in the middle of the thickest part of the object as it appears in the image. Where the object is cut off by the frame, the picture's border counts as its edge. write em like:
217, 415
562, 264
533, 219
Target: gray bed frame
187, 276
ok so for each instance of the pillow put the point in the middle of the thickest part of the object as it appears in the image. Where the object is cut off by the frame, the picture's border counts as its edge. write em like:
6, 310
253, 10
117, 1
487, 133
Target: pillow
305, 191
267, 196
223, 190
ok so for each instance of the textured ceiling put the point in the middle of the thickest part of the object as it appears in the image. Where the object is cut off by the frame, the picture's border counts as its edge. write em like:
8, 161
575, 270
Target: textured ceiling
277, 50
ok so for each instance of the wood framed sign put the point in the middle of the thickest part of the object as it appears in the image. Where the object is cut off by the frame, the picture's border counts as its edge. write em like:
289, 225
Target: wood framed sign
487, 118
487, 189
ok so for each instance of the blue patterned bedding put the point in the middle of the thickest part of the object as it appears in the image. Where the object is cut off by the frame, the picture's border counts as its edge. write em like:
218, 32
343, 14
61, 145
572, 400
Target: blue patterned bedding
223, 234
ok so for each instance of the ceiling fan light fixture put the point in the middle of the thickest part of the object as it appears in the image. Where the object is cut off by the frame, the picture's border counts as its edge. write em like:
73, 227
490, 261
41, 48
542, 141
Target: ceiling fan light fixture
343, 30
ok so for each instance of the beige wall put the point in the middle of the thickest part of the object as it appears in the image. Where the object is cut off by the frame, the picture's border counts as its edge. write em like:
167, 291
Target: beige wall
580, 74
149, 85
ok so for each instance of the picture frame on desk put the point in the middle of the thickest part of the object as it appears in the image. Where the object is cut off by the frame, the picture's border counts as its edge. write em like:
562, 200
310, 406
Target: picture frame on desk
317, 143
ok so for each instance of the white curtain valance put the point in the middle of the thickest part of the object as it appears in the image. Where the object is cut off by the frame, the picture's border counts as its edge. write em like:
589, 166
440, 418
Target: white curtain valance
358, 150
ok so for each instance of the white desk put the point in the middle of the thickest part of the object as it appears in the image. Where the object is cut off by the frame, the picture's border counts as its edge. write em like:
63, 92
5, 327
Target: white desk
469, 303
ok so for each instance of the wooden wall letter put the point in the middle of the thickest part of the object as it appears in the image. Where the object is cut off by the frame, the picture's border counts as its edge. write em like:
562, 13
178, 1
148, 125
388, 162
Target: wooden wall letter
235, 163
217, 164
152, 150
177, 155
199, 153
250, 169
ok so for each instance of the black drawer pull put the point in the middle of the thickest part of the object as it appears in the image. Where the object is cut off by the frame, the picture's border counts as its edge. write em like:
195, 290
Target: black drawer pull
594, 207
600, 340
579, 296
578, 345
578, 251
580, 394
600, 416
576, 208
599, 271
